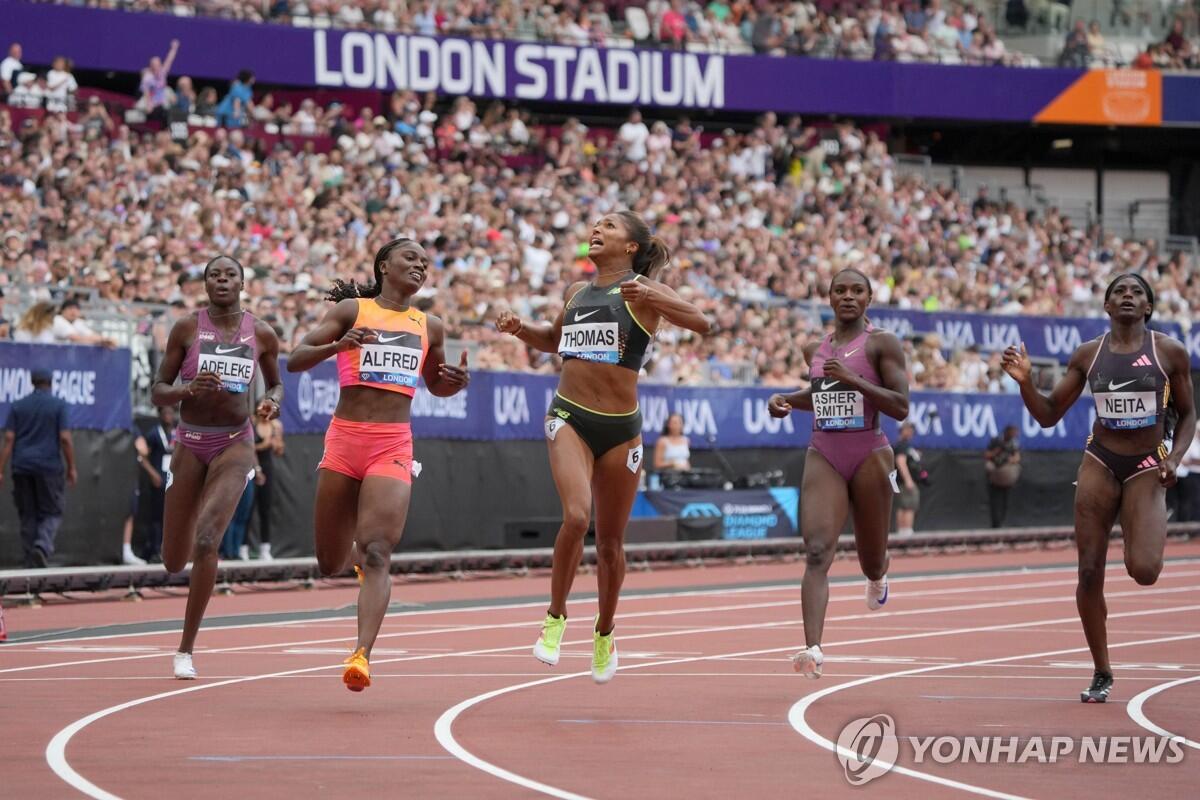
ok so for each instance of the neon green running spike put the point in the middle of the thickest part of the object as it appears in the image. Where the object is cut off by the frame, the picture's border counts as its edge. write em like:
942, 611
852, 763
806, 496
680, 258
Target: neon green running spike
604, 657
546, 649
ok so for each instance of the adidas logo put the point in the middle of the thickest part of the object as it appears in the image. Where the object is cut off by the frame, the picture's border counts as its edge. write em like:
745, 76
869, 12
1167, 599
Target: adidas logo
1148, 462
1143, 361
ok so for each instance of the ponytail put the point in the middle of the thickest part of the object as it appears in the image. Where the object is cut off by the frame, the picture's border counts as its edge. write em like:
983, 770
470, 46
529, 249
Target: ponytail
649, 261
349, 290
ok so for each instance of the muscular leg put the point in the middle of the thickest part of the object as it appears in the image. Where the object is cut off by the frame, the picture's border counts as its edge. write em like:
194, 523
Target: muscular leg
1097, 498
871, 505
382, 511
223, 487
1144, 527
180, 504
572, 464
615, 487
824, 504
335, 518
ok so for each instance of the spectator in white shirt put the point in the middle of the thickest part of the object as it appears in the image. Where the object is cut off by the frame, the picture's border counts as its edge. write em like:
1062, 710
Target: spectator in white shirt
10, 68
60, 86
633, 135
69, 327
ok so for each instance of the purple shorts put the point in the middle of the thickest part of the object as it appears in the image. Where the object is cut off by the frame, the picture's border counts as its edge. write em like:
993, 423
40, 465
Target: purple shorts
847, 450
207, 443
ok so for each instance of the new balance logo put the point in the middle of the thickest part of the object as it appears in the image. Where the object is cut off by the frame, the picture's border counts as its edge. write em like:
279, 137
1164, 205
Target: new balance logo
1143, 361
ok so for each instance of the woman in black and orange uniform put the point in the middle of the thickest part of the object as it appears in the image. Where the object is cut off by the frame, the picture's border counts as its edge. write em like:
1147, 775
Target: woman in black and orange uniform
383, 346
594, 425
1133, 374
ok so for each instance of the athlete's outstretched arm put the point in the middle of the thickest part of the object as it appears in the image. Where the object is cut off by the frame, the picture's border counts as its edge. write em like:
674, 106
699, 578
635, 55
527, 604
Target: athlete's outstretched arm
1048, 410
165, 392
333, 334
442, 379
1179, 373
268, 362
542, 336
892, 397
666, 302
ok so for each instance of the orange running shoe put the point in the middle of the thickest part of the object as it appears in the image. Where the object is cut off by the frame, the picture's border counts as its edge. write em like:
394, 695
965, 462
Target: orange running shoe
358, 573
357, 675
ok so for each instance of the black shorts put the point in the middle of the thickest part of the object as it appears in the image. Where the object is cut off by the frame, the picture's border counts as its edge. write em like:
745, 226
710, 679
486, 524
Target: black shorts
600, 432
1126, 468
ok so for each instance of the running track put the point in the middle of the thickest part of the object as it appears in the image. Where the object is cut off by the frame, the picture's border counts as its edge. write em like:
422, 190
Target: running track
705, 704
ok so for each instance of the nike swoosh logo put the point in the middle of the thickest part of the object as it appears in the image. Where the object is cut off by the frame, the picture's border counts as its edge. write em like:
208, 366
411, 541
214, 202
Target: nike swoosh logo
827, 386
1112, 387
383, 340
245, 339
235, 434
221, 352
579, 316
850, 352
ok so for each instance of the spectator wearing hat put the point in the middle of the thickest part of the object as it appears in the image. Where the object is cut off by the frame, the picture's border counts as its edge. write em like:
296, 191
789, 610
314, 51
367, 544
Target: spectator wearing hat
39, 446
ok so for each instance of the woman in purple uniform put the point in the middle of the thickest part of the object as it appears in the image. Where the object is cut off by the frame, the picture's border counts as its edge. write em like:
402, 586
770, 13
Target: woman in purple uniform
1134, 375
215, 353
857, 372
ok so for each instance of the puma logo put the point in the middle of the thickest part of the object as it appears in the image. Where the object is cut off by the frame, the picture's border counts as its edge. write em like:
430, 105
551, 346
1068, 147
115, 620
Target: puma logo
579, 316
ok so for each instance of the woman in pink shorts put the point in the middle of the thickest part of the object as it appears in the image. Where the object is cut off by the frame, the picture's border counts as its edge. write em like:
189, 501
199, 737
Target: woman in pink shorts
383, 346
857, 372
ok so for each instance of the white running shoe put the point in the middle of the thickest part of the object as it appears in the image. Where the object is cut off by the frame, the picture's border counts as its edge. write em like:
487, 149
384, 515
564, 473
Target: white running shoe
264, 552
877, 593
184, 669
809, 661
244, 553
130, 559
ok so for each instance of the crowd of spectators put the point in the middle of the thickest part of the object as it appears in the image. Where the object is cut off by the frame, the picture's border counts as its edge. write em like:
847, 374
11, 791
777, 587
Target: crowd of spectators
758, 219
935, 30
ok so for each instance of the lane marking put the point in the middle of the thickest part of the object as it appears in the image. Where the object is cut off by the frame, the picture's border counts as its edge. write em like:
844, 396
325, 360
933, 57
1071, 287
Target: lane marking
796, 715
443, 728
1135, 708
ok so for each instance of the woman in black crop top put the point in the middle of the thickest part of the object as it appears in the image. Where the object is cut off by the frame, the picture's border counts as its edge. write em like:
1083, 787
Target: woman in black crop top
594, 426
1133, 373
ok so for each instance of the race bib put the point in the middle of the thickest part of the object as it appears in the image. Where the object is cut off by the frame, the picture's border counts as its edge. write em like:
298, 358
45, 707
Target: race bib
393, 359
1127, 410
634, 459
837, 407
232, 363
591, 341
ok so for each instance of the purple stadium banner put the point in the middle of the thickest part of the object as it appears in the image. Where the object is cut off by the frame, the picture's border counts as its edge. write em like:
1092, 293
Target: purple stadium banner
539, 71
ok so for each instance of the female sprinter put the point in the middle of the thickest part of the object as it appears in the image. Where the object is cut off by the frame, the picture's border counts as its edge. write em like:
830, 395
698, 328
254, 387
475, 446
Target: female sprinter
857, 372
1133, 374
214, 352
594, 425
383, 345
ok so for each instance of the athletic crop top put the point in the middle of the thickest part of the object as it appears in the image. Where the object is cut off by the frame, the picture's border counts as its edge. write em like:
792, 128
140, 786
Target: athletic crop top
1131, 390
233, 361
393, 361
598, 325
836, 406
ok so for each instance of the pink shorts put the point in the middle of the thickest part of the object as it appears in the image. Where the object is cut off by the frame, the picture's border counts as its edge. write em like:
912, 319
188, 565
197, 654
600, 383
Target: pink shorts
361, 449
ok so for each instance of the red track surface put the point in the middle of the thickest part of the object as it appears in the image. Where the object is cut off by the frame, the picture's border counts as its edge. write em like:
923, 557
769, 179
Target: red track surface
700, 707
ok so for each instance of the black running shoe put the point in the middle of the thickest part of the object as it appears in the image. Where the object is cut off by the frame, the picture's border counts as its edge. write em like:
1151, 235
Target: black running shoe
1098, 692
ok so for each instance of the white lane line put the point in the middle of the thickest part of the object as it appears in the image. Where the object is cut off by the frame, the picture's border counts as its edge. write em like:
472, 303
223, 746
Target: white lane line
443, 728
624, 616
998, 572
1135, 709
796, 715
